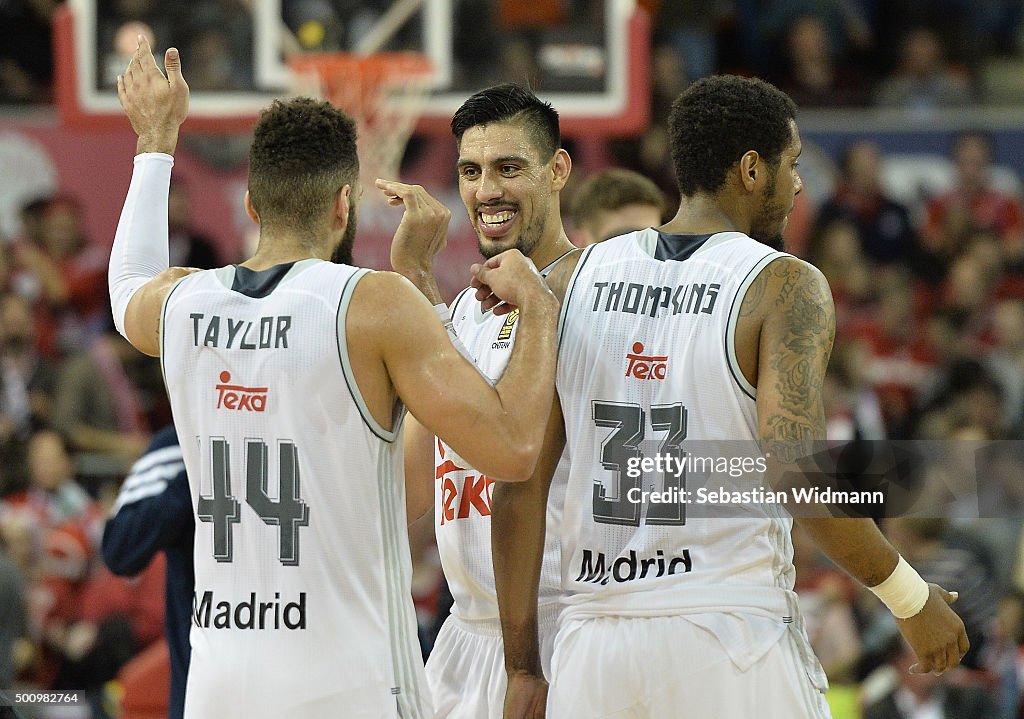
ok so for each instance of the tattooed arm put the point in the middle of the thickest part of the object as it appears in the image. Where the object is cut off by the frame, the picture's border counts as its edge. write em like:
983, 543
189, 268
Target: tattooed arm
797, 327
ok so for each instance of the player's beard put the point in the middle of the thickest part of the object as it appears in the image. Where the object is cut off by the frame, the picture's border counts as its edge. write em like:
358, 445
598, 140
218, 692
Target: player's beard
529, 238
342, 254
769, 223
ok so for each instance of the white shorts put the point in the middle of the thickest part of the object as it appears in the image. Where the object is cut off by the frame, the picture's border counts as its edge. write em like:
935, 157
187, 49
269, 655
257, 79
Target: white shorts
466, 667
657, 667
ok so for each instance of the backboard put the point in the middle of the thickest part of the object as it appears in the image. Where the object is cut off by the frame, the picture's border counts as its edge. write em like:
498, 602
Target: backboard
589, 58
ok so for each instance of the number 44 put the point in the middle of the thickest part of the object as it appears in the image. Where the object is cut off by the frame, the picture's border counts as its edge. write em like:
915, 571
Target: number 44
221, 509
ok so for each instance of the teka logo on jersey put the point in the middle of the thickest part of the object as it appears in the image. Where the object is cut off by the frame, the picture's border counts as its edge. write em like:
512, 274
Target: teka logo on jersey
459, 502
239, 398
643, 366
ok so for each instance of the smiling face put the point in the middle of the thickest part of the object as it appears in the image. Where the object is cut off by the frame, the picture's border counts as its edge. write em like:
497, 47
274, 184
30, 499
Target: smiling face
508, 186
776, 201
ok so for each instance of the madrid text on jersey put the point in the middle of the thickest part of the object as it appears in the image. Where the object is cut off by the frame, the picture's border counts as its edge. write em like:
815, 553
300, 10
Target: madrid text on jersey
262, 334
635, 298
629, 568
248, 614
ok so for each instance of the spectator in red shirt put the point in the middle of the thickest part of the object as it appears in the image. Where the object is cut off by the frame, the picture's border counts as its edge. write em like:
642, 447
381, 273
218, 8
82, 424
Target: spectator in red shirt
899, 361
973, 204
83, 268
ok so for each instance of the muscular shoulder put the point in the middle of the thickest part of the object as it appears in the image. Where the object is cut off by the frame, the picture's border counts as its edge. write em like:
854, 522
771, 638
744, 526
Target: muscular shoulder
169, 277
379, 290
785, 284
799, 317
789, 302
383, 301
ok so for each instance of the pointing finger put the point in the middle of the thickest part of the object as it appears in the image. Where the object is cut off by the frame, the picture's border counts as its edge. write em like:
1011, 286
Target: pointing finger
145, 53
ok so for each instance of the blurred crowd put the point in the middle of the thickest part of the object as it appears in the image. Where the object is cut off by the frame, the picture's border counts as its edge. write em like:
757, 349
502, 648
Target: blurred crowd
917, 54
929, 292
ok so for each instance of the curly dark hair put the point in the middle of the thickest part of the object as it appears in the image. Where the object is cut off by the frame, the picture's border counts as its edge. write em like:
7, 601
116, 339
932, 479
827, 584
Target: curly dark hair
717, 119
512, 103
303, 151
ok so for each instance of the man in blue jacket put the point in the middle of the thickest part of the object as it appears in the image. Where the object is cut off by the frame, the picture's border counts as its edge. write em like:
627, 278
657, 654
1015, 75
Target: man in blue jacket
153, 512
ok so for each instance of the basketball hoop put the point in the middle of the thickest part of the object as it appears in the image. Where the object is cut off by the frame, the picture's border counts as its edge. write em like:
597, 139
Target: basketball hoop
382, 92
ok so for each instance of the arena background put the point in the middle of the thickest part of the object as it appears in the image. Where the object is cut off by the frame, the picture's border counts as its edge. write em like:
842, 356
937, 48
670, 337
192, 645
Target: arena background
923, 247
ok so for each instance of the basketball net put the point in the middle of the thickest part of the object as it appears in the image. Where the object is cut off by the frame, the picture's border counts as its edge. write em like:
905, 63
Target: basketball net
382, 92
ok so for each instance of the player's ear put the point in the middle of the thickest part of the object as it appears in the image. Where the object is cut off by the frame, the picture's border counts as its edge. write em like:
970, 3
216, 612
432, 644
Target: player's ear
560, 169
342, 200
250, 210
749, 166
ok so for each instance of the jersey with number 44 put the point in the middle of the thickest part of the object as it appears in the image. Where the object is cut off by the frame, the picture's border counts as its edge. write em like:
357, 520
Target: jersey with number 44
302, 603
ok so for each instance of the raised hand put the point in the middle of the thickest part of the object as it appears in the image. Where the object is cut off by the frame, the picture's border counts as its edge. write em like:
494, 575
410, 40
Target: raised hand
156, 105
422, 233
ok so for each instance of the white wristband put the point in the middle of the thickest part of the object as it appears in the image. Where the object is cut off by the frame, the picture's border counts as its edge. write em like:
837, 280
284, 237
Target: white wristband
904, 592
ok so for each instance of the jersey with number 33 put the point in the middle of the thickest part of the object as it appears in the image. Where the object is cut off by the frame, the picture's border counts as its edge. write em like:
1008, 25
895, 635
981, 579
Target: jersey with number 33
647, 370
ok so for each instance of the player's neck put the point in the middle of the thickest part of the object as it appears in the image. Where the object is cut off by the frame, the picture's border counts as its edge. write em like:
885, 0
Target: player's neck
547, 251
281, 248
704, 215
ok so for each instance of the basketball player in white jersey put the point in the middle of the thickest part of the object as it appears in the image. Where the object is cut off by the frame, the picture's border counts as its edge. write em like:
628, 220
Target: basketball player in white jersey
511, 170
288, 375
700, 330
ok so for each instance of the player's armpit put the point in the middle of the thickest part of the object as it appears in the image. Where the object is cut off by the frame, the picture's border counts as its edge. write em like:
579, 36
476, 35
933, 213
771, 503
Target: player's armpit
142, 317
419, 469
518, 524
796, 336
397, 345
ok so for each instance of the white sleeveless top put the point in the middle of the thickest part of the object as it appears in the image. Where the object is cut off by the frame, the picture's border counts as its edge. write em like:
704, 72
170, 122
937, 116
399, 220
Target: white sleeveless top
647, 369
302, 598
462, 506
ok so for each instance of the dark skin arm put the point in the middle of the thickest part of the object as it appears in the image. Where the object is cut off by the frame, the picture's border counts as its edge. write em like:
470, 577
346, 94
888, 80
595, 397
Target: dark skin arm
789, 307
419, 469
517, 548
518, 524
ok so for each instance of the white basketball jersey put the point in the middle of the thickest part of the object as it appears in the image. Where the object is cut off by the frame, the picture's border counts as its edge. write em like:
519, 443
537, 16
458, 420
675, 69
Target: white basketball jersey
462, 507
302, 601
646, 369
